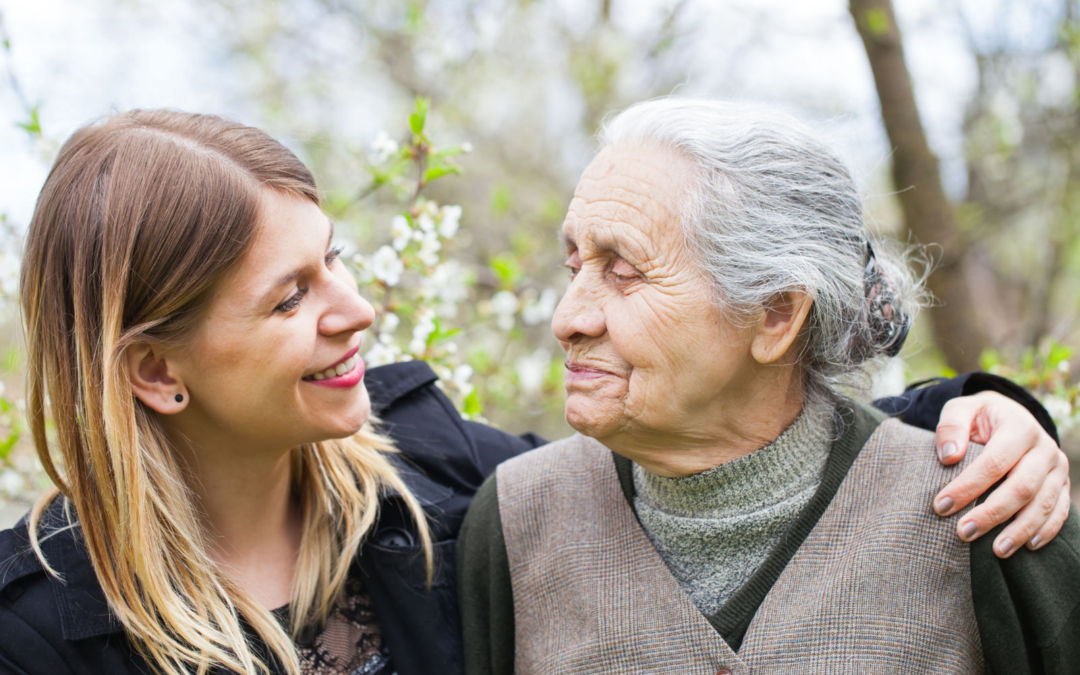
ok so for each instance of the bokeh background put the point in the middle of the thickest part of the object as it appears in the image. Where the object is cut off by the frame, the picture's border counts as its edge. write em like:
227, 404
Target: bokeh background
450, 207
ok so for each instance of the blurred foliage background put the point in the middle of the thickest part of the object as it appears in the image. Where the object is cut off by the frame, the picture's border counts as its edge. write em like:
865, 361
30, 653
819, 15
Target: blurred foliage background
447, 136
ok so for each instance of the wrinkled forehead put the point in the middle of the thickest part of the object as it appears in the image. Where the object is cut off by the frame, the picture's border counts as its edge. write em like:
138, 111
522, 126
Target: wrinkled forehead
628, 191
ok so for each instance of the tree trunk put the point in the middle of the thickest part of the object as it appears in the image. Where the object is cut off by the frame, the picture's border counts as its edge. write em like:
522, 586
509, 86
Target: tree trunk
927, 213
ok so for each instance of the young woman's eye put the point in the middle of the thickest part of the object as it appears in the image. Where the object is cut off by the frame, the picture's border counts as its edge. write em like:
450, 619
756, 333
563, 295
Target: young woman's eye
333, 254
292, 302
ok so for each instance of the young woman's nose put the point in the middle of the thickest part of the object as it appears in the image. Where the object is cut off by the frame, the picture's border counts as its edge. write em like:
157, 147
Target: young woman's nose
579, 313
347, 310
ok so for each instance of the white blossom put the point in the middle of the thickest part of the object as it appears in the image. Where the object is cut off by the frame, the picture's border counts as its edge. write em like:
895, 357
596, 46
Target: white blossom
390, 322
889, 379
11, 482
387, 266
1060, 410
401, 231
1063, 367
425, 222
446, 284
450, 221
462, 378
362, 270
540, 310
466, 147
504, 304
383, 148
425, 326
532, 369
429, 249
9, 274
381, 354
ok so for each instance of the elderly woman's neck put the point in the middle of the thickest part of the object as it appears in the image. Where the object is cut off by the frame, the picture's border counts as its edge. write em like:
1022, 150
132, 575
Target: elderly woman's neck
734, 433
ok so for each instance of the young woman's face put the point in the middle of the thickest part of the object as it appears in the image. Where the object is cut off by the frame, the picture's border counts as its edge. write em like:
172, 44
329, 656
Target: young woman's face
274, 361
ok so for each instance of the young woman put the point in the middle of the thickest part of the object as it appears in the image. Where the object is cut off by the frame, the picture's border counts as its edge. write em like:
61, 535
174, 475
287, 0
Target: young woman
223, 501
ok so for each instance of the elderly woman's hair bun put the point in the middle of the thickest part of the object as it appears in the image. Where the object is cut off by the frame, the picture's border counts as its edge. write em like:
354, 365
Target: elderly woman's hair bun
772, 210
889, 325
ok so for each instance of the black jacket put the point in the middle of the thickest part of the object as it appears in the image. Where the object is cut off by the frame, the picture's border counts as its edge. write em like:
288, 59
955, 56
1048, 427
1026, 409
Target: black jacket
53, 627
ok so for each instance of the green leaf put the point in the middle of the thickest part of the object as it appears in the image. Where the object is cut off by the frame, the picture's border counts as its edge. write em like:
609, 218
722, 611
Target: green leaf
418, 118
507, 270
1058, 353
33, 125
472, 406
434, 172
452, 151
414, 17
11, 359
501, 200
990, 359
877, 21
553, 209
7, 444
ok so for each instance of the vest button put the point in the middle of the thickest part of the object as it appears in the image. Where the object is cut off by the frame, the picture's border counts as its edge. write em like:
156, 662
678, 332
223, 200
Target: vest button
723, 671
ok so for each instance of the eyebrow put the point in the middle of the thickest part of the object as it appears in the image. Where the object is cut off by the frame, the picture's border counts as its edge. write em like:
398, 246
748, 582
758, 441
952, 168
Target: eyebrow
290, 277
604, 243
565, 240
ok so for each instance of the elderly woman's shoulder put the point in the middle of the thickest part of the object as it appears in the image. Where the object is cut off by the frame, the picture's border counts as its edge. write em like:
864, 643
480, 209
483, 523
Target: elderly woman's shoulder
574, 450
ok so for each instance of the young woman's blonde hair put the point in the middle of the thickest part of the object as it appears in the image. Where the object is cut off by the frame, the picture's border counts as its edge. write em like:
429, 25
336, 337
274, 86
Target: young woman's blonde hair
141, 216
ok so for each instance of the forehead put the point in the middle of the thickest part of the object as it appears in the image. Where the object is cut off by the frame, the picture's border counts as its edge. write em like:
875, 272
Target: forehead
629, 191
291, 234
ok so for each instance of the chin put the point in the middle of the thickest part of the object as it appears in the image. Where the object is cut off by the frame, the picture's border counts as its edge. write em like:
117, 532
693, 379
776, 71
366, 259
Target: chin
588, 419
349, 422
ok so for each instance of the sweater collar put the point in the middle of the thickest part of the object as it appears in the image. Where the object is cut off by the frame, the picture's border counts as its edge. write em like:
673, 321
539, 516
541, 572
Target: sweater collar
791, 463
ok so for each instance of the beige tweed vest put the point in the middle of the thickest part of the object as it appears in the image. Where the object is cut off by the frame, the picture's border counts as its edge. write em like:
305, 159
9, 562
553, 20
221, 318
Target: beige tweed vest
880, 585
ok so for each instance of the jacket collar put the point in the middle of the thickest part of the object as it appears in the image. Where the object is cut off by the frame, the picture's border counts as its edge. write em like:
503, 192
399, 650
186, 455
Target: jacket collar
81, 603
387, 384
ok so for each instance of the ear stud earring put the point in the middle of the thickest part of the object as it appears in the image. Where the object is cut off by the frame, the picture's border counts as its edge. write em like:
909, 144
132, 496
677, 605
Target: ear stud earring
179, 398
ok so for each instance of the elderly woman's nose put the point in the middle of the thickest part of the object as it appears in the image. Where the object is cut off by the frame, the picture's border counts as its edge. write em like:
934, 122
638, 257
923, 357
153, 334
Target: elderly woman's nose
579, 314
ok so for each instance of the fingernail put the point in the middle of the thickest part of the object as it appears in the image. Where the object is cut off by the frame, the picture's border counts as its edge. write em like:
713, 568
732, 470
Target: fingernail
948, 450
1005, 546
1036, 541
943, 505
968, 529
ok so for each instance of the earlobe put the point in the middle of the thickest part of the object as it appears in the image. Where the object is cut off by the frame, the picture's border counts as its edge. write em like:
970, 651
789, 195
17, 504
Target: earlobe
779, 325
152, 379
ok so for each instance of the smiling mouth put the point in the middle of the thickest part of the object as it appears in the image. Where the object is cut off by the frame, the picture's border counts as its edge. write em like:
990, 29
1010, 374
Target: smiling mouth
346, 365
578, 370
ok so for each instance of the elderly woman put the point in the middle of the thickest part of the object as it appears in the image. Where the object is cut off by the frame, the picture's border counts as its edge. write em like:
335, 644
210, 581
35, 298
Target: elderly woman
752, 517
222, 501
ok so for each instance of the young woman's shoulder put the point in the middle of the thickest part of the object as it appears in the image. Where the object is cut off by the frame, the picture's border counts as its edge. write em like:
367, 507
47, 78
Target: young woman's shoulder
429, 431
50, 624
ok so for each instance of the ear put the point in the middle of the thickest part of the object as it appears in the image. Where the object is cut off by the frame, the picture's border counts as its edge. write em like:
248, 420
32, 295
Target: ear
152, 379
779, 325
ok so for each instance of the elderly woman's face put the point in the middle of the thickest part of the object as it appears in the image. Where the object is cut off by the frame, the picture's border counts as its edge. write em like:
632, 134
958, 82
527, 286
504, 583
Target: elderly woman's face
647, 351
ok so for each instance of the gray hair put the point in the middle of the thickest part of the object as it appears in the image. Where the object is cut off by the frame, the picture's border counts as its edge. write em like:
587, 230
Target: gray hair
774, 210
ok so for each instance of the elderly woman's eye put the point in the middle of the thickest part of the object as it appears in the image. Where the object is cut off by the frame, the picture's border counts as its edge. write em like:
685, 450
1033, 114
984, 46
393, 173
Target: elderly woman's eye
623, 272
573, 263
